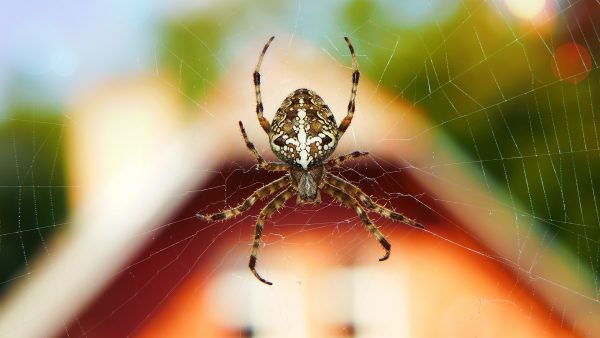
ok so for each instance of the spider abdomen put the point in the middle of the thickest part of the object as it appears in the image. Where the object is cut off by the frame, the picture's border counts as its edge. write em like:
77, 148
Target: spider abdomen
303, 132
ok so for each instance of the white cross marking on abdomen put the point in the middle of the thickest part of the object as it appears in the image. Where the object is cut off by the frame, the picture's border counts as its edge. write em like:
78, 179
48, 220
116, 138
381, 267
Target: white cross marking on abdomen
302, 143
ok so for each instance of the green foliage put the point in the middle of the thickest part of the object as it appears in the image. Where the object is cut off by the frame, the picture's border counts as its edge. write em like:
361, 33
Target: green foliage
32, 189
190, 51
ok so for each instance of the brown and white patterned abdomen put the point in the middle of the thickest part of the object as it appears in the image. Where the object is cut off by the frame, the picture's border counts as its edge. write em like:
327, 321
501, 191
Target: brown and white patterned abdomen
303, 132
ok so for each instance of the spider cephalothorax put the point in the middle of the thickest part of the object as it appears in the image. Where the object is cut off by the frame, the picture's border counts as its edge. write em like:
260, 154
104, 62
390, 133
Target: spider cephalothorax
308, 182
303, 135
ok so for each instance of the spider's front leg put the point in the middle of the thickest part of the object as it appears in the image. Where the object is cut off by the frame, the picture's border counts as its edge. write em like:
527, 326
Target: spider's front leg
351, 105
265, 213
350, 202
355, 191
264, 123
271, 166
256, 195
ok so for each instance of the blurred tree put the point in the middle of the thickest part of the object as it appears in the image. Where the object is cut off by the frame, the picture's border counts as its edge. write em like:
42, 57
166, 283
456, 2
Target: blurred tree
32, 189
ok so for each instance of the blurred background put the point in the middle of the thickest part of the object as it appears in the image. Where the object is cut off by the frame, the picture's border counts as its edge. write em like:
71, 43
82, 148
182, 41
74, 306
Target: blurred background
508, 89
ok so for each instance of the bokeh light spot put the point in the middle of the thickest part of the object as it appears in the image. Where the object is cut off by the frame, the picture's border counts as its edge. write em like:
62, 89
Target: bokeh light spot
571, 62
527, 9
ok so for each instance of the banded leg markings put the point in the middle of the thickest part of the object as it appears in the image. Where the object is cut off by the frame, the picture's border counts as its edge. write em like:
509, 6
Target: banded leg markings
271, 166
264, 123
343, 158
266, 212
353, 190
352, 104
348, 201
259, 194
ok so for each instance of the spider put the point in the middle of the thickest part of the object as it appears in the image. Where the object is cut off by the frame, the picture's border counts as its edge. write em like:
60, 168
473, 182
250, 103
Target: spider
303, 135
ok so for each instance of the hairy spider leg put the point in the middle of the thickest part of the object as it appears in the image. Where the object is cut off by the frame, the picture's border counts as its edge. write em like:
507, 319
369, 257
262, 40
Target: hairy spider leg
264, 123
259, 194
351, 105
271, 166
350, 202
265, 213
355, 191
343, 158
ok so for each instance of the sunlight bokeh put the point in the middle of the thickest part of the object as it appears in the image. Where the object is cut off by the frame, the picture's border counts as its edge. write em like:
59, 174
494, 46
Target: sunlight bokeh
527, 9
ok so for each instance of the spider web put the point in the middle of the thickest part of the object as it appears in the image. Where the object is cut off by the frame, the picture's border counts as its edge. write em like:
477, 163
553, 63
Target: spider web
487, 81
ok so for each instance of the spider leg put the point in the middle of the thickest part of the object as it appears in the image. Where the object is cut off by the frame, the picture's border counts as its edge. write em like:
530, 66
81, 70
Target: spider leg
351, 105
264, 123
271, 166
265, 213
256, 195
355, 191
350, 202
343, 158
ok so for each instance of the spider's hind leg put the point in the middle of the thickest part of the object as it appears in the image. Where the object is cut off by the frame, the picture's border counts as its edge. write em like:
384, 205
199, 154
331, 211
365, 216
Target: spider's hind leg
256, 195
350, 202
265, 213
353, 190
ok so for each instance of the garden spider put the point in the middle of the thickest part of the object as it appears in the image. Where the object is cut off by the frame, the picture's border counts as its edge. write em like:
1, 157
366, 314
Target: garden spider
303, 135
